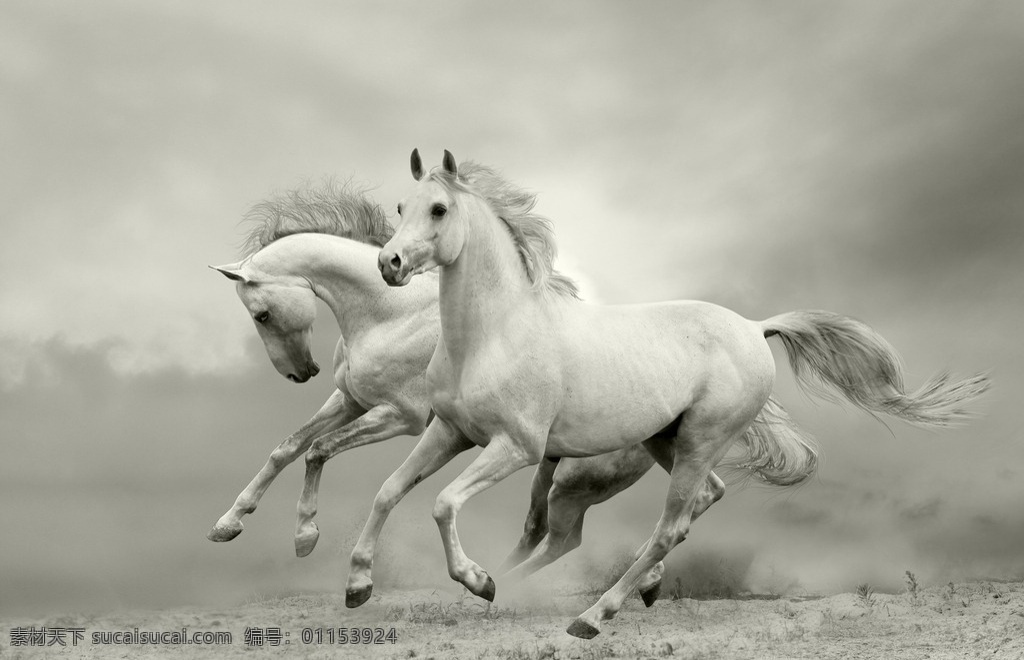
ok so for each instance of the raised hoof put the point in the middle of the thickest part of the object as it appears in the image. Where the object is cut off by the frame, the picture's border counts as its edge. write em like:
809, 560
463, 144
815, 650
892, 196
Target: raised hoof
306, 541
651, 595
222, 534
356, 597
582, 629
488, 590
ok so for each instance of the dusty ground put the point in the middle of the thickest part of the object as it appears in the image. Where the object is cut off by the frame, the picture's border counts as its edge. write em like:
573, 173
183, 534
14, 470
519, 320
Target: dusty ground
974, 620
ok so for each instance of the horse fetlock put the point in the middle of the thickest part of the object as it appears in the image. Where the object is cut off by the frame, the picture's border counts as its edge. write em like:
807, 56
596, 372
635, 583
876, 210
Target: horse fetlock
361, 560
305, 512
385, 501
444, 509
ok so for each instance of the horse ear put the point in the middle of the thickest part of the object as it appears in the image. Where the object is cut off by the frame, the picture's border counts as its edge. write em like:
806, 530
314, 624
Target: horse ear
232, 272
417, 165
449, 163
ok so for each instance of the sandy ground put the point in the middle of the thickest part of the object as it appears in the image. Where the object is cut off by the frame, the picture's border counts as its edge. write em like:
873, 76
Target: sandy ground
972, 620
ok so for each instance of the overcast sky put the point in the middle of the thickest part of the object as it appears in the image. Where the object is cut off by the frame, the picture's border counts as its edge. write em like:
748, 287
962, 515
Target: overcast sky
861, 157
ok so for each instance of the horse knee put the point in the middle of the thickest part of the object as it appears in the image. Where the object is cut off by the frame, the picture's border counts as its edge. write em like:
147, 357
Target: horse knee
444, 508
280, 457
316, 456
387, 497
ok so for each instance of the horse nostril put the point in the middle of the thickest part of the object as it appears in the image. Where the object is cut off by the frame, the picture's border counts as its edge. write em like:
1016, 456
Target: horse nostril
316, 369
396, 262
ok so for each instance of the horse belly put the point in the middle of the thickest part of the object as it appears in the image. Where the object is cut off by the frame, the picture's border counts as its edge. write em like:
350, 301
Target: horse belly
632, 371
601, 415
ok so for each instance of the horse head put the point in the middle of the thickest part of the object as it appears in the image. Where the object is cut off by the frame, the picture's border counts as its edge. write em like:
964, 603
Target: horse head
283, 308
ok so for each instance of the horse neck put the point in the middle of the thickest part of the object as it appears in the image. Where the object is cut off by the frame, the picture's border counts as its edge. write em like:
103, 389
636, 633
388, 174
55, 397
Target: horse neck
484, 287
343, 273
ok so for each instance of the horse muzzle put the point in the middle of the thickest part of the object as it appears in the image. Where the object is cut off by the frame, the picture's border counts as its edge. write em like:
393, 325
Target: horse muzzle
393, 269
311, 370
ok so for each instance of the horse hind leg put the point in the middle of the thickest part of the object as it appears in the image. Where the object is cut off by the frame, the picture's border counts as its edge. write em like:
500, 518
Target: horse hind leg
697, 447
565, 531
337, 411
578, 484
380, 423
650, 584
536, 526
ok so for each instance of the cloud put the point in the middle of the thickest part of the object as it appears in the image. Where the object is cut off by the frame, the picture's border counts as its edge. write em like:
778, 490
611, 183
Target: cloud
922, 511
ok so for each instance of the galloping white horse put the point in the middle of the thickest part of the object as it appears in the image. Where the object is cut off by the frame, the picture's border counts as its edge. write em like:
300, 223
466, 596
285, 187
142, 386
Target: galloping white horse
323, 243
526, 371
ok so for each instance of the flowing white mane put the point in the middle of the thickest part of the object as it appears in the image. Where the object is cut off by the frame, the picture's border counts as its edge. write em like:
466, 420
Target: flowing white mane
331, 208
531, 232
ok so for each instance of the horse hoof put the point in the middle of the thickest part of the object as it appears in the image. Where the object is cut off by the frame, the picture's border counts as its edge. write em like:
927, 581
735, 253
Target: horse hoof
651, 595
221, 534
582, 629
305, 541
488, 590
356, 597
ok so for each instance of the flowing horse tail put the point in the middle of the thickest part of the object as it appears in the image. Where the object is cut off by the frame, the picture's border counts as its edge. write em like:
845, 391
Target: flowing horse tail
832, 353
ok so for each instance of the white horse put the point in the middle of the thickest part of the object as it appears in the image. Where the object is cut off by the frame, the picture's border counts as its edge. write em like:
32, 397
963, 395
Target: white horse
526, 371
323, 243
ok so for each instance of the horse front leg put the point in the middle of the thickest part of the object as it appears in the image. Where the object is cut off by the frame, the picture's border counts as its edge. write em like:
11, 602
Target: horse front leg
439, 444
335, 413
379, 423
501, 457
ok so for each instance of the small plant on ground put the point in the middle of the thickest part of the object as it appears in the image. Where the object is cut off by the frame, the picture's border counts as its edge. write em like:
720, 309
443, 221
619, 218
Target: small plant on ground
709, 576
449, 614
677, 591
913, 587
866, 594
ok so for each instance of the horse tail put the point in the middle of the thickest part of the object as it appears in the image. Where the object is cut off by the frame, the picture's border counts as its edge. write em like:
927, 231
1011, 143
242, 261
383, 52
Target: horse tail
828, 350
775, 450
830, 354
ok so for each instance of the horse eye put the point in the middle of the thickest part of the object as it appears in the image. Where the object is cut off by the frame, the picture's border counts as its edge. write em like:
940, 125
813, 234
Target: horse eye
399, 209
438, 210
262, 317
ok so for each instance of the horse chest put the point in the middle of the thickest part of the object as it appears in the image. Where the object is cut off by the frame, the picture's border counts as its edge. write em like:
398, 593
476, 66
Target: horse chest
475, 405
